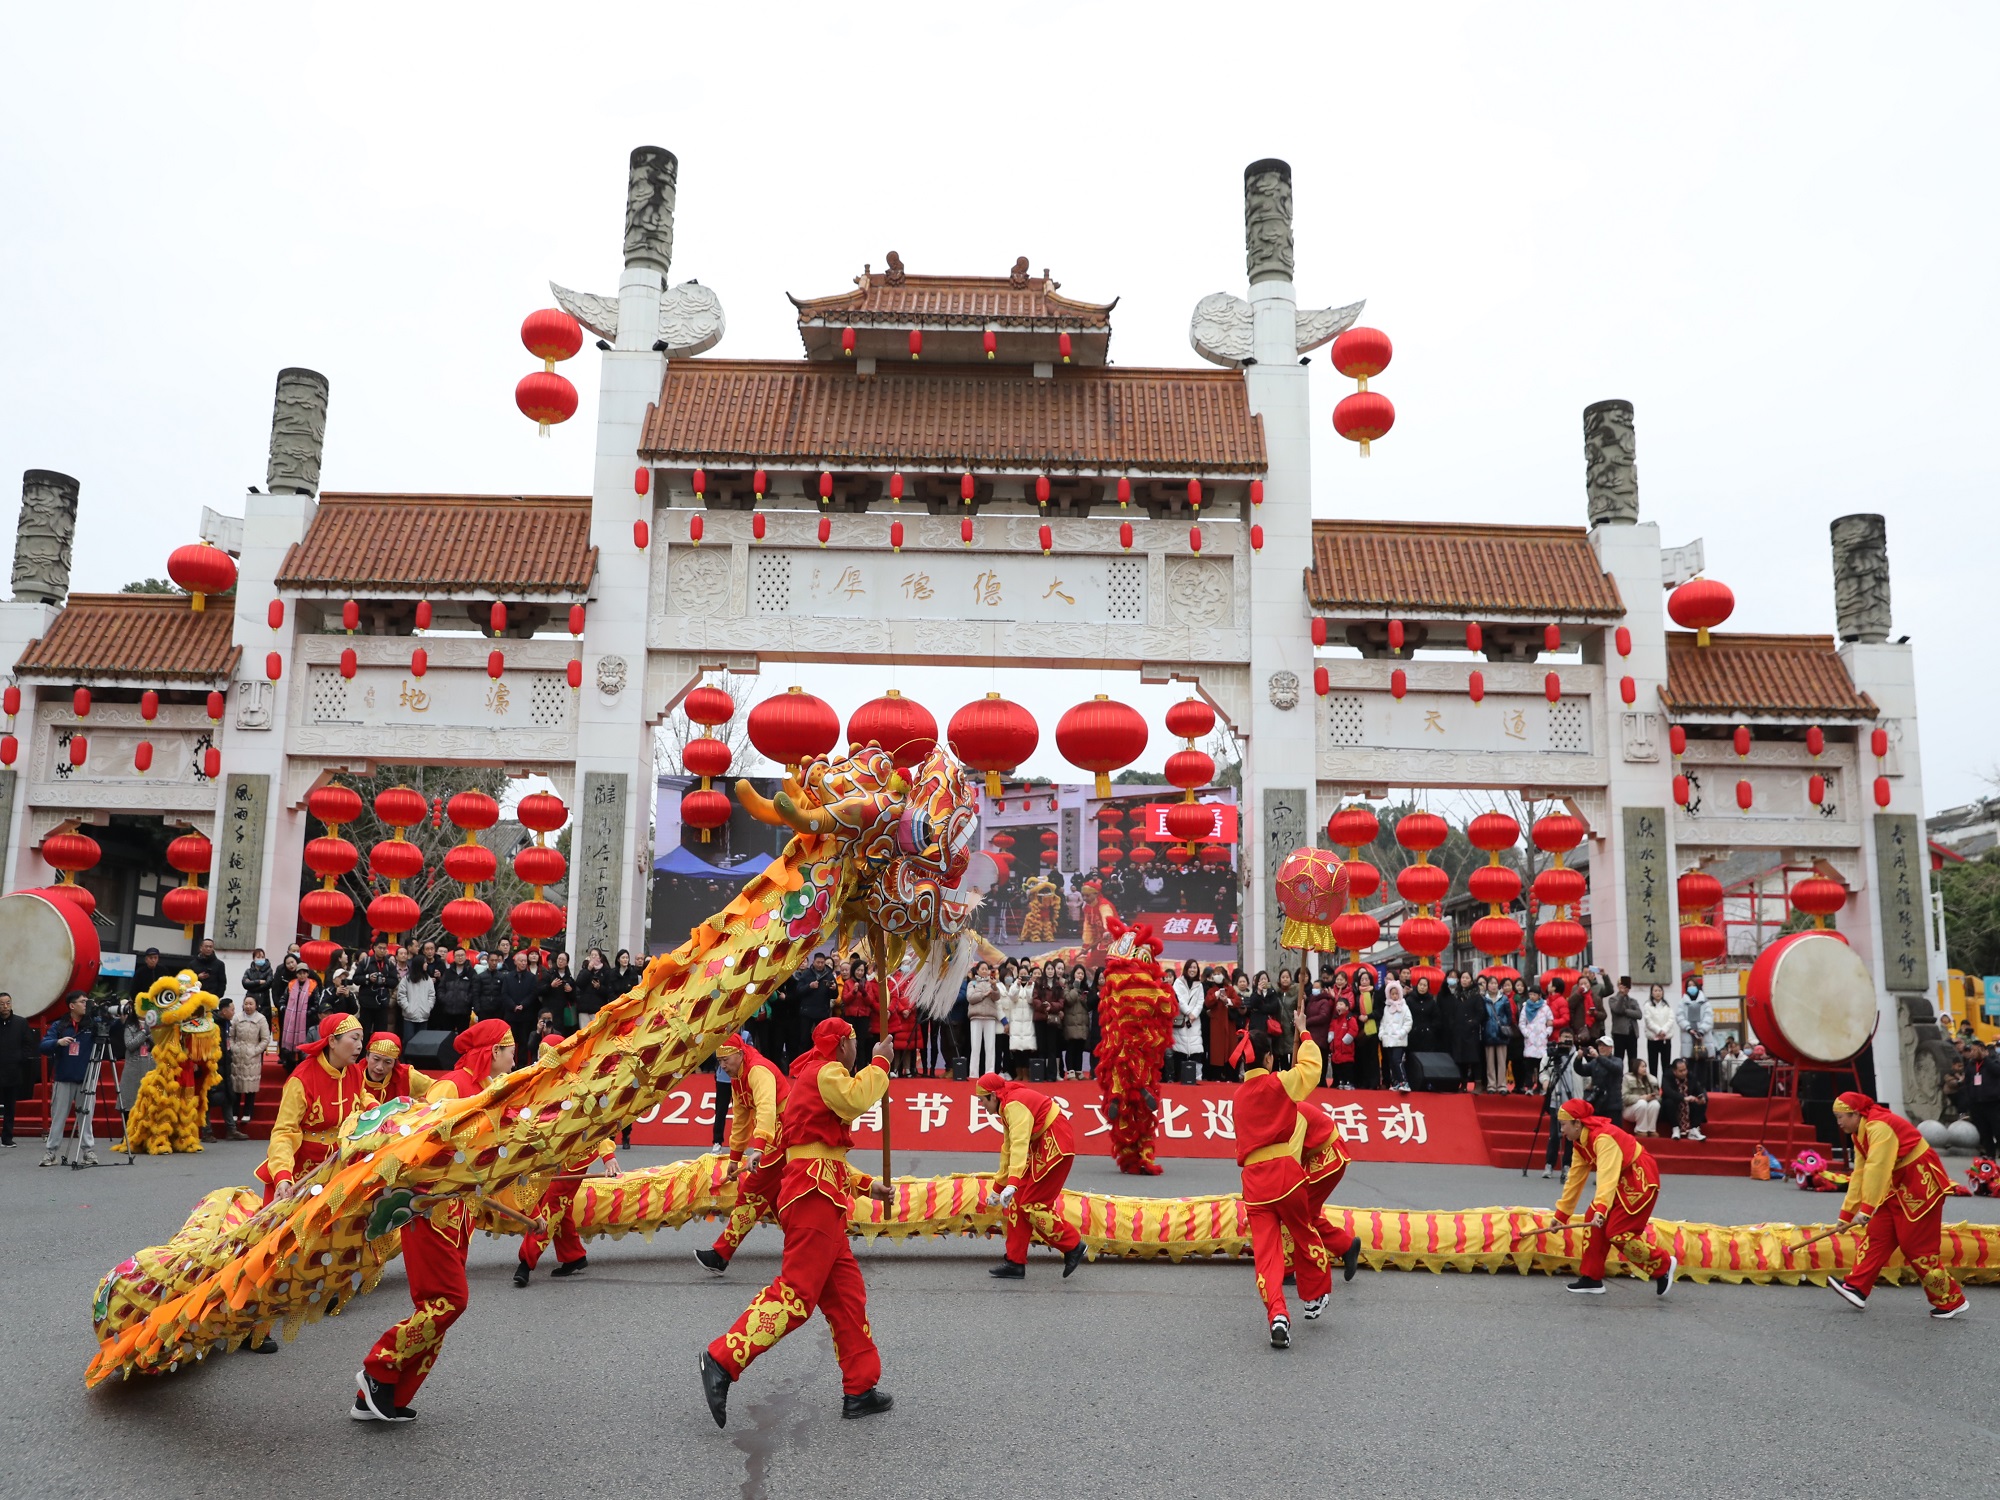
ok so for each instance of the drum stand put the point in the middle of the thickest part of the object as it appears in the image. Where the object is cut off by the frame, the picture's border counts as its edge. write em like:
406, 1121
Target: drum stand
1785, 1085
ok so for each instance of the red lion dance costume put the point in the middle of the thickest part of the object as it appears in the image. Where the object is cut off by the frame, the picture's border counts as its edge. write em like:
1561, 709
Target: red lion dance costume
1135, 1016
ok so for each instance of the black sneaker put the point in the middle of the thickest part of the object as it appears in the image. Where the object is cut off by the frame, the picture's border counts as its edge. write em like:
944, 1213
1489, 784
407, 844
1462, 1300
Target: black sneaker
1847, 1293
522, 1271
1073, 1257
1590, 1286
572, 1267
1664, 1282
715, 1385
268, 1346
1350, 1260
1942, 1313
866, 1404
1008, 1270
376, 1402
712, 1260
1281, 1333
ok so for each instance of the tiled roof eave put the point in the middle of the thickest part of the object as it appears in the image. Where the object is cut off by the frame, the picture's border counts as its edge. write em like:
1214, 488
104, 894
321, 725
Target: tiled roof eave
1730, 713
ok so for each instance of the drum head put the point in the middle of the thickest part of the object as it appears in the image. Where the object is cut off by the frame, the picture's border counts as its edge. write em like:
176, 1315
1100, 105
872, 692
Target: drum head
1822, 998
47, 948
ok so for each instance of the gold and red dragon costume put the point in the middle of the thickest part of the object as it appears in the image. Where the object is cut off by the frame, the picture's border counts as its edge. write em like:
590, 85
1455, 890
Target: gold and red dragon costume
560, 1197
1898, 1189
1135, 1023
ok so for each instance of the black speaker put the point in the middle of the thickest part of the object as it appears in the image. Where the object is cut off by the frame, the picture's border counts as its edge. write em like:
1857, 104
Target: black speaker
961, 1067
1433, 1072
1038, 1070
1190, 1069
431, 1049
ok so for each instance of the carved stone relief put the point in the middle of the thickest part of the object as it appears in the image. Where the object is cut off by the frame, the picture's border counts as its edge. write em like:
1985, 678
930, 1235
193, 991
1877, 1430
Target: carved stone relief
1861, 578
43, 534
1198, 593
1641, 735
649, 208
1267, 220
1610, 464
298, 433
254, 696
611, 671
698, 582
1284, 687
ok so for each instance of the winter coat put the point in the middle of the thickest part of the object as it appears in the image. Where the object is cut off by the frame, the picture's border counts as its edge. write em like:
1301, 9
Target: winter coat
1625, 1013
982, 1000
1537, 1021
1658, 1018
1225, 1009
1017, 1008
65, 1065
1499, 1011
1191, 1000
454, 994
903, 1020
1076, 1012
416, 995
259, 980
249, 1040
1396, 1021
20, 1058
1697, 1018
1319, 1012
1341, 1035
1424, 1020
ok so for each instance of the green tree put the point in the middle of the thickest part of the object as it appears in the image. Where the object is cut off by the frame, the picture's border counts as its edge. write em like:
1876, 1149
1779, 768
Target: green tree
1972, 914
153, 586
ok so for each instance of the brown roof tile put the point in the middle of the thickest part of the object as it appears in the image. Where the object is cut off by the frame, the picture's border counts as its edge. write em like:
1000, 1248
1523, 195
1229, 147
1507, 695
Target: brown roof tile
140, 637
1474, 571
1797, 676
943, 301
531, 544
743, 412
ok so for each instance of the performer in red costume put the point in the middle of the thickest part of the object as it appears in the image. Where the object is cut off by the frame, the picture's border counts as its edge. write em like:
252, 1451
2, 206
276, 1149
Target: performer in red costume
1036, 1149
1897, 1196
324, 1090
1270, 1136
387, 1076
554, 1209
434, 1246
1324, 1164
756, 1145
1621, 1209
814, 1201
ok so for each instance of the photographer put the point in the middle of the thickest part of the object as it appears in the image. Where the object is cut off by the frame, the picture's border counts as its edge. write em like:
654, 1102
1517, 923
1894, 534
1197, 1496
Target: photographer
1603, 1078
68, 1043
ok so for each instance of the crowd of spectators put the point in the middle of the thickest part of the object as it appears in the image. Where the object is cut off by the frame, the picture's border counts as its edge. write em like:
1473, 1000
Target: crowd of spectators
1156, 889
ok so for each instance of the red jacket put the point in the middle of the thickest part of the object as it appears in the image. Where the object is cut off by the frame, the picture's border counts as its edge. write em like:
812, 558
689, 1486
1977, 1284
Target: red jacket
903, 1022
1341, 1033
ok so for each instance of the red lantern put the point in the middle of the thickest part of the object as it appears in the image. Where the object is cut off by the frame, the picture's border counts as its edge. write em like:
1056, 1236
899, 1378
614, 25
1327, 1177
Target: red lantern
1552, 638
1475, 686
825, 530
1396, 636
551, 334
401, 807
216, 704
544, 398
1559, 886
990, 342
1178, 855
1743, 794
966, 488
793, 727
642, 535
1190, 719
1101, 736
1819, 898
895, 489
542, 864
542, 812
274, 665
423, 614
573, 674
201, 570
1363, 879
1740, 738
1815, 742
1881, 791
1256, 538
496, 619
1350, 828
694, 530
642, 480
1041, 489
1322, 681
1561, 939
896, 536
1046, 538
10, 748
1124, 535
467, 919
349, 663
395, 859
704, 810
1364, 417
1552, 686
12, 700
1399, 684
1194, 493
1256, 492
1496, 885
1356, 931
1683, 791
1557, 833
70, 852
350, 616
80, 702
902, 726
1063, 346
142, 757
1816, 789
1124, 492
701, 483
1474, 637
1496, 937
1700, 605
1622, 639
708, 705
472, 810
1422, 831
1878, 743
1491, 832
191, 854
993, 735
496, 663
274, 612
706, 757
469, 864
334, 804
186, 905
825, 486
916, 343
847, 342
1144, 854
757, 526
420, 661
1426, 937
1702, 943
1677, 741
1697, 891
1194, 538
326, 909
1424, 885
1628, 689
393, 913
79, 749
1361, 353
965, 531
1188, 821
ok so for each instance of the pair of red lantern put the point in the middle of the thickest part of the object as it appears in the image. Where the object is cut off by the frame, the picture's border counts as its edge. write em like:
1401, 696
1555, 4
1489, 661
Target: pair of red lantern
545, 397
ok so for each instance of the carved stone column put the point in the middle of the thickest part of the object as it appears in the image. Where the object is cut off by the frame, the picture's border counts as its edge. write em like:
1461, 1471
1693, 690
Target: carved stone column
649, 208
1861, 578
1610, 464
298, 433
42, 536
1267, 220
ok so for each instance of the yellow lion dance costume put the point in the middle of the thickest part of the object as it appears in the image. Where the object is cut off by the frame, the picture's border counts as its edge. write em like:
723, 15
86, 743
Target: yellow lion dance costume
1038, 925
187, 1051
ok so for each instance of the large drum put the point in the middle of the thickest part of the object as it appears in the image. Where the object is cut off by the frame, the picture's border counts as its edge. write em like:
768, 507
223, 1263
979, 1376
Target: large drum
1811, 1000
48, 947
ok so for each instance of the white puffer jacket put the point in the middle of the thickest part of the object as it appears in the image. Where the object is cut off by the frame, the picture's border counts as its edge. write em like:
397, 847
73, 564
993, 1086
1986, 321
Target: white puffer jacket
1190, 1035
1395, 1021
1017, 1005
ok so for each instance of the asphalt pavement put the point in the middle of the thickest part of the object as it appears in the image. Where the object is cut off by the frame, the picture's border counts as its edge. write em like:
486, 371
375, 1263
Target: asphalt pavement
1125, 1379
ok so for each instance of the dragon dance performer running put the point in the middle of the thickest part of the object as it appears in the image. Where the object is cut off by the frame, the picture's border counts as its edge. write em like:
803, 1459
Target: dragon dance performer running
387, 1076
756, 1145
1036, 1149
819, 1268
1621, 1209
434, 1246
554, 1209
1324, 1164
1897, 1195
1270, 1138
325, 1089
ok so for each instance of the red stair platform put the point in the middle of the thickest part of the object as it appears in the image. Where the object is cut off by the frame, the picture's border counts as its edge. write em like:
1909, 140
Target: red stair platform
1736, 1127
31, 1115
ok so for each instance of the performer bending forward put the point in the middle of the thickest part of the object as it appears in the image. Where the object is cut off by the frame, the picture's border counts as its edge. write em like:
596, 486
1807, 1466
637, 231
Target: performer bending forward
554, 1210
814, 1200
1897, 1195
1324, 1164
1621, 1210
434, 1246
756, 1145
1270, 1137
325, 1088
1036, 1149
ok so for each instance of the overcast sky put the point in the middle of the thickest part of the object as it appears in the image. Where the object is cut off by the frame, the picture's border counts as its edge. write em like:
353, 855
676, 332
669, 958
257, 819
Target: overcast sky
1771, 227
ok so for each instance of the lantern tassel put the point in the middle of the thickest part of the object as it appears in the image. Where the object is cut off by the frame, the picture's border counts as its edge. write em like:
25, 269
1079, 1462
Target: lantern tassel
198, 603
1103, 784
993, 787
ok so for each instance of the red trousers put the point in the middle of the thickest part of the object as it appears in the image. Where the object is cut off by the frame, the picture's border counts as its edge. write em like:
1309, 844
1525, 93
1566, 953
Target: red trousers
1891, 1229
1312, 1270
1320, 1183
434, 1259
1631, 1230
555, 1208
1035, 1217
819, 1271
756, 1198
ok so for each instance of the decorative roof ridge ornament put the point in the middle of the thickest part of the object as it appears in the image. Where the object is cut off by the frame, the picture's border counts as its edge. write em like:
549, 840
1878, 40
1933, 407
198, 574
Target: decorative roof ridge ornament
892, 273
1220, 328
691, 316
